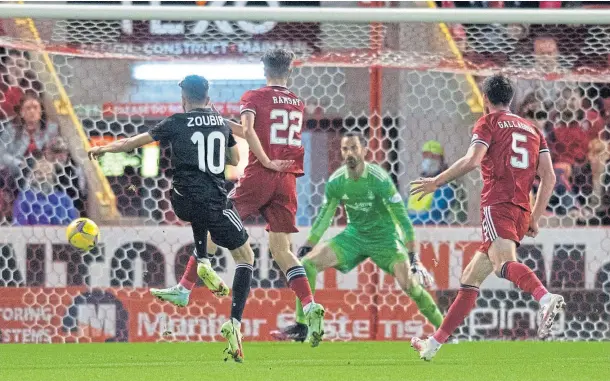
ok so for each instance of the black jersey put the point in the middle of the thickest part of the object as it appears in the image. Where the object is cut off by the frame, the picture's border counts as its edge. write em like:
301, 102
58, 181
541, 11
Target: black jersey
199, 140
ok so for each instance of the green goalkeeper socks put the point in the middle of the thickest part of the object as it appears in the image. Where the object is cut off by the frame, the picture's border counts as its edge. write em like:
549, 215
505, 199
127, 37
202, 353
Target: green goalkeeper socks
426, 305
312, 272
425, 302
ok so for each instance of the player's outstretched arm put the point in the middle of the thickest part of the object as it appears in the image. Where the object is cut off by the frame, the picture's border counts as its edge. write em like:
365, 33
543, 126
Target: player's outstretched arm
236, 128
547, 183
232, 156
396, 207
469, 162
247, 123
123, 145
323, 220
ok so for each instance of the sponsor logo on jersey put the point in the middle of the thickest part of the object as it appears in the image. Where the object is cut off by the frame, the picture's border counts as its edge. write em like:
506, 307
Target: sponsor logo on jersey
360, 206
396, 198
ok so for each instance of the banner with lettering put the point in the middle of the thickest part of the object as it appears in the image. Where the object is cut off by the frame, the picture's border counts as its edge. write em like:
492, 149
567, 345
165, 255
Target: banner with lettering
53, 293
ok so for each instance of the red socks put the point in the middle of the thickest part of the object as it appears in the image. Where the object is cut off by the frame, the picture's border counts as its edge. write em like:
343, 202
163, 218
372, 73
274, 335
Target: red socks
524, 278
460, 308
297, 280
189, 278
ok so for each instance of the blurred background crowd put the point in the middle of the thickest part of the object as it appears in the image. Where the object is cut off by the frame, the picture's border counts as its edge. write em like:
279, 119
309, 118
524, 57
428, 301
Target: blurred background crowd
41, 183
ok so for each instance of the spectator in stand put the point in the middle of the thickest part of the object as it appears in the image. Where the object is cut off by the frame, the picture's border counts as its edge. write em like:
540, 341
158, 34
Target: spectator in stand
533, 109
528, 106
434, 208
16, 78
570, 141
23, 135
70, 177
7, 197
10, 91
42, 203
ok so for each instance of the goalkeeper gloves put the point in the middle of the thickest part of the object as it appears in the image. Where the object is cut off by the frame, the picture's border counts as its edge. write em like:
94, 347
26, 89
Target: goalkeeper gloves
423, 276
303, 251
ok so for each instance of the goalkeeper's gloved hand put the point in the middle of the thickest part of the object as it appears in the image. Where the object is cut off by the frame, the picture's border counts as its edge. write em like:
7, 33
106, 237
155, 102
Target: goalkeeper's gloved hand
303, 251
422, 275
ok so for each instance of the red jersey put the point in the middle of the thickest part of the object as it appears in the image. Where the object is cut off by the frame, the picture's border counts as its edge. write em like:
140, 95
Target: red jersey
509, 166
278, 122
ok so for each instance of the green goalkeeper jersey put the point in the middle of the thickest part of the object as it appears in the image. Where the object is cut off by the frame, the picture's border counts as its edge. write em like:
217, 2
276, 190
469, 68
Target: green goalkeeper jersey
374, 207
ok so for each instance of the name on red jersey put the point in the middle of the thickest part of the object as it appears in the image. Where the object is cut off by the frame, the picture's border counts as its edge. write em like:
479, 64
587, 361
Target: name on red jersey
287, 101
515, 124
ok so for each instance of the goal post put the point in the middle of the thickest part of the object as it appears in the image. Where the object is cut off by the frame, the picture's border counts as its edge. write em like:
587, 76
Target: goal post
404, 74
297, 14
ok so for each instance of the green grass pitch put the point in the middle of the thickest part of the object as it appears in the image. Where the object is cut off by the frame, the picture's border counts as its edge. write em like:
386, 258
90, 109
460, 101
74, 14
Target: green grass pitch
370, 361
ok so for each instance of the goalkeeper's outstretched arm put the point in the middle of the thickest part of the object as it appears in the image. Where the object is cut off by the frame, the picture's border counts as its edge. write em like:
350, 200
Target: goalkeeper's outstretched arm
396, 207
324, 218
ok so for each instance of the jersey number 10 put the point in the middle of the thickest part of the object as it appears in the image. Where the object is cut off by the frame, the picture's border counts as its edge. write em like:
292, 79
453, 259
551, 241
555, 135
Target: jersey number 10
293, 122
206, 151
521, 159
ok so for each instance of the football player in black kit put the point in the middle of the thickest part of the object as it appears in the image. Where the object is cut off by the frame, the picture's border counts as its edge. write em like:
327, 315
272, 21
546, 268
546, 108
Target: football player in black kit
201, 146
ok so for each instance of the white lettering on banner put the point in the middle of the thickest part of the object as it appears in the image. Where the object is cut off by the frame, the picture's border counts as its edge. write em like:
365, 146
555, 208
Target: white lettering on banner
161, 109
174, 28
188, 326
169, 240
398, 329
195, 48
25, 335
505, 318
100, 317
27, 314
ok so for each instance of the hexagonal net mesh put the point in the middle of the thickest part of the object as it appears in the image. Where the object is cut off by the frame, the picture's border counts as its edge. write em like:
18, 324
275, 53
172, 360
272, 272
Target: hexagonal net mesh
400, 84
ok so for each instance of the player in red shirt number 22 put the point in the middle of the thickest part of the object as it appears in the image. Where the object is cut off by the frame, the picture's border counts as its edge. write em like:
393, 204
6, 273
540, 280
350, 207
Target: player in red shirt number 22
271, 122
510, 152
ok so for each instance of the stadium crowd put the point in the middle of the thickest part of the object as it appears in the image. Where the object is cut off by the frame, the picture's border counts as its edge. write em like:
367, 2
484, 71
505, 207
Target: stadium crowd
41, 184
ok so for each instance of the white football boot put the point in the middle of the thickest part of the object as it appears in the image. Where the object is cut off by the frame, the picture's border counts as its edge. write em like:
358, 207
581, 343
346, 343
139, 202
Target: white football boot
176, 295
550, 306
427, 348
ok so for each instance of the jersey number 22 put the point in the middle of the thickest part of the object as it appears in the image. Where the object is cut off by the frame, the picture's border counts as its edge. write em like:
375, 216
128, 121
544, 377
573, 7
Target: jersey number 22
293, 122
206, 151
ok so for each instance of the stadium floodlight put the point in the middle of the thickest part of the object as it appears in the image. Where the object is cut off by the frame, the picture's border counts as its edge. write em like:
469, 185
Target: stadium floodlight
212, 72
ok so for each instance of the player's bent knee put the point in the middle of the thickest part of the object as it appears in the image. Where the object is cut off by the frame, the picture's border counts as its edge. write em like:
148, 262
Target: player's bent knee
212, 248
243, 254
477, 270
279, 244
322, 257
502, 250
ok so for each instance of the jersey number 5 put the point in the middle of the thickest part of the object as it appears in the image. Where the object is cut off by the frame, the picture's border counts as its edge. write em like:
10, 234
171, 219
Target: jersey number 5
206, 152
521, 158
293, 122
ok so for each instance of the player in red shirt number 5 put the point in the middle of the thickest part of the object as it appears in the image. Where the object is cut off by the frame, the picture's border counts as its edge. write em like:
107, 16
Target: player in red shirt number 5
510, 152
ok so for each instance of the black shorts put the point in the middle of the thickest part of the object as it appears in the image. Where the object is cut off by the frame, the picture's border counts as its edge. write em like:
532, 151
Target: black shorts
220, 219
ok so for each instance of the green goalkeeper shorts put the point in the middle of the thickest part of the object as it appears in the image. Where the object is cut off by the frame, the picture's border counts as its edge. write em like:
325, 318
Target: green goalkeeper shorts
352, 249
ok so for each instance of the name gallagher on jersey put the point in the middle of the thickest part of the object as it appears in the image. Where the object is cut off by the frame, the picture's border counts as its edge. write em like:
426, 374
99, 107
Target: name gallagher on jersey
513, 124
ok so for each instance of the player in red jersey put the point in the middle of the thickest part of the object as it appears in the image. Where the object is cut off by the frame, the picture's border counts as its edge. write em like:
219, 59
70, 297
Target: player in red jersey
510, 152
271, 122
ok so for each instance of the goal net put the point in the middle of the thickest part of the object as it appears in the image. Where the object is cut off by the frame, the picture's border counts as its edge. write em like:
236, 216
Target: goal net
411, 87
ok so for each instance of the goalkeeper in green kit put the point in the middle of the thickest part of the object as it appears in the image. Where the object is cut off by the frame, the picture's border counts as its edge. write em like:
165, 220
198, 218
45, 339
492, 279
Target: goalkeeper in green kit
378, 228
